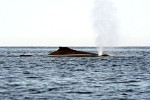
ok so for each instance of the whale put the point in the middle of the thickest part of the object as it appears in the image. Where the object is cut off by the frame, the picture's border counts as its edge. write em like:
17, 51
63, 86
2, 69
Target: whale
68, 52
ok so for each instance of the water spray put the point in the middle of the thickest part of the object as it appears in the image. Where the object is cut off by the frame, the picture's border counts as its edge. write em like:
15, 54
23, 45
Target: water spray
100, 51
105, 24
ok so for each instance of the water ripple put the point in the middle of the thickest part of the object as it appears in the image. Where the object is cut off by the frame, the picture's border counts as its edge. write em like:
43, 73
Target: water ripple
124, 76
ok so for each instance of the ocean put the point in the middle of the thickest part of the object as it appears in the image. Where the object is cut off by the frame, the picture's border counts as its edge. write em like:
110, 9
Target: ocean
125, 75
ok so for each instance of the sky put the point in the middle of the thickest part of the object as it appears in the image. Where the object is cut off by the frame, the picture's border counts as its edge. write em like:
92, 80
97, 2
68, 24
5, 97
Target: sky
68, 22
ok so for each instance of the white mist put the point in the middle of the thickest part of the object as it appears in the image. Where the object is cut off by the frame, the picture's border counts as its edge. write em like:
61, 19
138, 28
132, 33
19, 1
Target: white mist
100, 51
105, 24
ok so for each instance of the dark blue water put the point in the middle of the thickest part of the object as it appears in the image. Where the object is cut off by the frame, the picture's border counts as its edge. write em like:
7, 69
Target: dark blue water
123, 76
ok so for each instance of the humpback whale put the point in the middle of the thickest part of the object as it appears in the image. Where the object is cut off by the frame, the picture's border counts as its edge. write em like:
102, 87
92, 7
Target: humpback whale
68, 52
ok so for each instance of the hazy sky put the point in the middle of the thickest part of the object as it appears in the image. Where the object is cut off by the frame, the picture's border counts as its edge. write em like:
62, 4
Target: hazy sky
68, 22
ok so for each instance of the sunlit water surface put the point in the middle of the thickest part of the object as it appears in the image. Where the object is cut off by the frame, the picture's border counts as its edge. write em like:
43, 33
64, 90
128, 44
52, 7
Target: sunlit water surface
125, 75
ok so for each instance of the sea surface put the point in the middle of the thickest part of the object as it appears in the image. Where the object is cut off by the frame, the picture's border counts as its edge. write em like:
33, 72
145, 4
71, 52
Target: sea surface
125, 75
